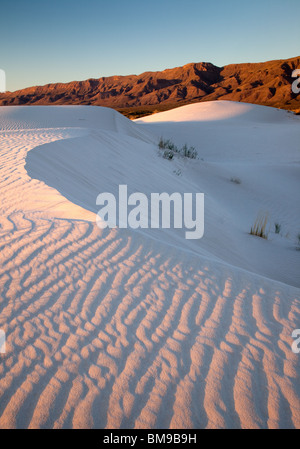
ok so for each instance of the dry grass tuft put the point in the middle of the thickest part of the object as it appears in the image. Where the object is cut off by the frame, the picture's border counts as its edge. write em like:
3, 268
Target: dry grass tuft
259, 227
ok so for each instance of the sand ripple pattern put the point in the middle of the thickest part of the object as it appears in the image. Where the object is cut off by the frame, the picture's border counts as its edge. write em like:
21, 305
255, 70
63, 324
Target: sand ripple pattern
106, 329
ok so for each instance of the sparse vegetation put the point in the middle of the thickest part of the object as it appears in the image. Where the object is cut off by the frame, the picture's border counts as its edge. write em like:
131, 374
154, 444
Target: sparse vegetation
168, 154
177, 172
235, 180
171, 149
189, 152
277, 228
167, 144
298, 242
259, 227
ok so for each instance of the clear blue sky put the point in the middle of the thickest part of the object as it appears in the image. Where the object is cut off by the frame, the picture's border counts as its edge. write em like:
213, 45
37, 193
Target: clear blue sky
45, 41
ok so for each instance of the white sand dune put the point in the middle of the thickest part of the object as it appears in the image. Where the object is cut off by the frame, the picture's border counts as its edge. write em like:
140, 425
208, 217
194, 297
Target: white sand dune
145, 329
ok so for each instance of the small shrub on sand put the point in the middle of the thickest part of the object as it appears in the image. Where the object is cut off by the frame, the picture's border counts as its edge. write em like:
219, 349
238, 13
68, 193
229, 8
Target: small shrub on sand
177, 172
235, 180
277, 228
171, 149
168, 154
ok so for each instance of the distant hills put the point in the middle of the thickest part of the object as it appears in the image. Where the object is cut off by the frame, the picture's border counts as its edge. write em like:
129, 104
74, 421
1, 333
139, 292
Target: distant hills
268, 83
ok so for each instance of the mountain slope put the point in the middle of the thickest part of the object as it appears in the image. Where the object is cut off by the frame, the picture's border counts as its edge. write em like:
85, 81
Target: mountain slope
267, 83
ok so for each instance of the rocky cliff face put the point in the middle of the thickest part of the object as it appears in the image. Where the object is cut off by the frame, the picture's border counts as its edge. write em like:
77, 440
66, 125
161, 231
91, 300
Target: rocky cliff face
267, 83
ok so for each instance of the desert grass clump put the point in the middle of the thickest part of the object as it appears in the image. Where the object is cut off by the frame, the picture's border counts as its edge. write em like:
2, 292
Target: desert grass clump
189, 152
167, 145
161, 144
259, 227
